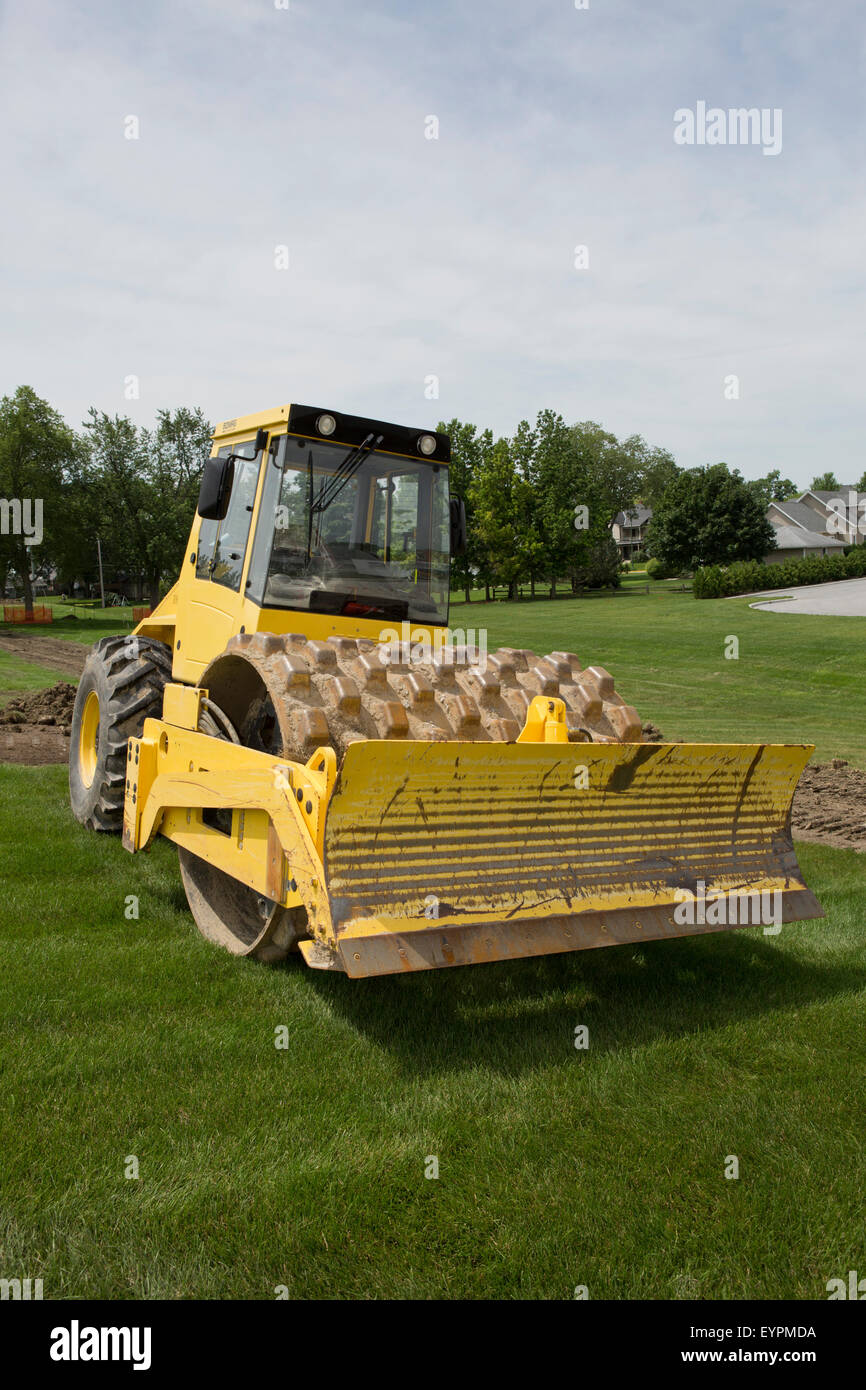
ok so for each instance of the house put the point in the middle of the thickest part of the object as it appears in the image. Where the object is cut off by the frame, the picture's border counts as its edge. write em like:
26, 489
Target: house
800, 532
844, 510
629, 529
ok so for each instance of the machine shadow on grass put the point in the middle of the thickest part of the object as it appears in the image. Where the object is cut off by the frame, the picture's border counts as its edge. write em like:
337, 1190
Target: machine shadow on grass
517, 1016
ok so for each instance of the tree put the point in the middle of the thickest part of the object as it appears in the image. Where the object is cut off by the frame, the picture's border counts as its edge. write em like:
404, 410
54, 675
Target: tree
560, 487
709, 516
825, 482
861, 485
502, 503
530, 523
36, 448
116, 508
773, 488
573, 502
138, 491
614, 470
469, 450
657, 473
174, 454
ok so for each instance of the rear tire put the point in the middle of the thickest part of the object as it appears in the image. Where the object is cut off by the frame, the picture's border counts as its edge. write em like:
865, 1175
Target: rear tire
122, 685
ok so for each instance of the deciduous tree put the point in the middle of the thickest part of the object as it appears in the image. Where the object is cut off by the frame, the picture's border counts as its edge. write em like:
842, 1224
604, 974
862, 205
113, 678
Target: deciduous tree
36, 449
709, 516
825, 482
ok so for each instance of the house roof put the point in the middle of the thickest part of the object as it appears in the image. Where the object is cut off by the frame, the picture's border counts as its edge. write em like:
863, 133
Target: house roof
796, 512
846, 522
824, 496
797, 537
635, 516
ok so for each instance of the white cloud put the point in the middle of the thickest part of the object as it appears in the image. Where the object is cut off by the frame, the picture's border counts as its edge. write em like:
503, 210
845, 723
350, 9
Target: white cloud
451, 256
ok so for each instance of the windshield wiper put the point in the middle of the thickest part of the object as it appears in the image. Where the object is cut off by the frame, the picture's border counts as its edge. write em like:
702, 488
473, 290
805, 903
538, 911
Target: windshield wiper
330, 491
346, 470
310, 489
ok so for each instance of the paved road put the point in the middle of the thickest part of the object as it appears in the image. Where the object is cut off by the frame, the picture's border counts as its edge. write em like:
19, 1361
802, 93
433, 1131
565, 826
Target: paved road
847, 599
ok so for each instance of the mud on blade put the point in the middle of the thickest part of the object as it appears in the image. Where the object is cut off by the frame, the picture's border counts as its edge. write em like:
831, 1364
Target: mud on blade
454, 853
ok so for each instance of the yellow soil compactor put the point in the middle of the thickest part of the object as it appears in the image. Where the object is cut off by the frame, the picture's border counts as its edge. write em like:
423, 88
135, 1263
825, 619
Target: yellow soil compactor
341, 781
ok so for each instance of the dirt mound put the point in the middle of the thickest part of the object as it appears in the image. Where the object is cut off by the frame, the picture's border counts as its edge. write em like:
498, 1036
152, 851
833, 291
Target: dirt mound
34, 728
52, 706
652, 734
830, 805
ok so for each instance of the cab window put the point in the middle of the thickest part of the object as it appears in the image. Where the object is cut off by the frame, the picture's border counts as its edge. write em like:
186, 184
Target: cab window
222, 544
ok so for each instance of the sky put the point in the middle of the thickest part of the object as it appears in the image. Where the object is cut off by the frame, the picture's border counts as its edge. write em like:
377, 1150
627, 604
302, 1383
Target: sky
717, 309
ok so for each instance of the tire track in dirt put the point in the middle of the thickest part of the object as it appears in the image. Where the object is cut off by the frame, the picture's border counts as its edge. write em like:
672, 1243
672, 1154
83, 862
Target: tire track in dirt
53, 652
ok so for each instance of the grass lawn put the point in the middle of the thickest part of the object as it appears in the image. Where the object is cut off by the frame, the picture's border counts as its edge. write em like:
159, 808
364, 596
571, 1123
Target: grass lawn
305, 1166
84, 625
797, 679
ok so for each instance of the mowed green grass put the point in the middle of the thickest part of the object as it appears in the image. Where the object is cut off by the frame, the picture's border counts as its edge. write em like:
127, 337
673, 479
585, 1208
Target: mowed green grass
85, 625
305, 1167
797, 679
558, 1167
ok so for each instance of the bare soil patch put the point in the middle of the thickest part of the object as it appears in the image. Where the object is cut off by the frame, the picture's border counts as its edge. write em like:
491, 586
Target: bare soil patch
54, 652
35, 727
830, 805
33, 745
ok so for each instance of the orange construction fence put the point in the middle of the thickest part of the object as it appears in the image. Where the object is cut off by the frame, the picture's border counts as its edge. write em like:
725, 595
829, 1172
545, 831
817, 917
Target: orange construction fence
17, 613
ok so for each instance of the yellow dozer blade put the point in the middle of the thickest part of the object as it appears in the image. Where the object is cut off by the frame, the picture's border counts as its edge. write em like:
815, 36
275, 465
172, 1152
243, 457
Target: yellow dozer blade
449, 853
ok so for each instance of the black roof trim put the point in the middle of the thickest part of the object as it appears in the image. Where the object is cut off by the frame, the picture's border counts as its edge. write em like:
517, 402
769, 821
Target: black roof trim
353, 429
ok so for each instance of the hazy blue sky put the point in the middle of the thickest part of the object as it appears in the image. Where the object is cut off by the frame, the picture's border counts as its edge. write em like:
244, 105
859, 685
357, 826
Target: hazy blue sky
411, 257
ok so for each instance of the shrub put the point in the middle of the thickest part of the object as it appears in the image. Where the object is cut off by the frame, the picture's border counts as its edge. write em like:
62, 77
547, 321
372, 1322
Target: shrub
600, 568
749, 576
656, 570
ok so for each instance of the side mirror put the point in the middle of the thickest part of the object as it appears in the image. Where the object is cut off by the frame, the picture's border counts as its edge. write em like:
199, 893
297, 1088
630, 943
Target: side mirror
457, 508
216, 486
217, 478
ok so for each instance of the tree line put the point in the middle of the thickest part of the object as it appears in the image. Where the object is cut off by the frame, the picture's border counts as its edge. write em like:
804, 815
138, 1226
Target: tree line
133, 488
539, 503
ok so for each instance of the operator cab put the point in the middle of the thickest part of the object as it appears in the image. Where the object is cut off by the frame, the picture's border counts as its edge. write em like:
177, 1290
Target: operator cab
353, 519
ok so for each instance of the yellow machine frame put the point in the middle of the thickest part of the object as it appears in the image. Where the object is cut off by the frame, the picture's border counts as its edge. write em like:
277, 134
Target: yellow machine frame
206, 614
416, 855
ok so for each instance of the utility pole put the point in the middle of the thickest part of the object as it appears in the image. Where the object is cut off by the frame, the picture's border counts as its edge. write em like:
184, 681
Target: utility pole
101, 585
